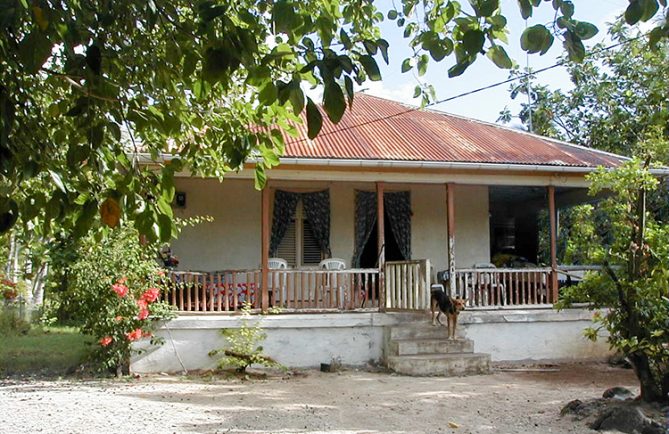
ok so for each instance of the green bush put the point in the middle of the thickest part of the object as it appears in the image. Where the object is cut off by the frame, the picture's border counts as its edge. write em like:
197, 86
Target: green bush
114, 288
244, 347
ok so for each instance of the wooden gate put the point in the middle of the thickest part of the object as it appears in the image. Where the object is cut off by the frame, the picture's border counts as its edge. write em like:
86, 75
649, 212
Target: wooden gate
407, 285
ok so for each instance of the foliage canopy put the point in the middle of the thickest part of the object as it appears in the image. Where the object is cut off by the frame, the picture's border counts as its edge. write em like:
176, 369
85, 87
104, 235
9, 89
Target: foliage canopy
87, 89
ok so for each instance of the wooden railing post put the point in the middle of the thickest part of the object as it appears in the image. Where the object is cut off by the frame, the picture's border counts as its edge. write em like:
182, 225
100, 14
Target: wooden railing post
264, 302
450, 198
553, 240
380, 214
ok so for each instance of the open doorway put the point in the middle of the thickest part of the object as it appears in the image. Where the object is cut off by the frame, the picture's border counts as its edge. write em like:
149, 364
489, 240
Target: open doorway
370, 254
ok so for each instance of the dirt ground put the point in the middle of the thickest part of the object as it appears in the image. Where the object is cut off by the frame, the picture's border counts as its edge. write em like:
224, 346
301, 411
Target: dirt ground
349, 401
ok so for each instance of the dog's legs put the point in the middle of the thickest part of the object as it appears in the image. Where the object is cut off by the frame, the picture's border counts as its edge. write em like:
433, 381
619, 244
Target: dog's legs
451, 326
432, 306
455, 325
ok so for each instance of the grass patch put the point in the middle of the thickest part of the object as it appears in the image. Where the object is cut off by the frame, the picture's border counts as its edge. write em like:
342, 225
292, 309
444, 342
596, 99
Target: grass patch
42, 351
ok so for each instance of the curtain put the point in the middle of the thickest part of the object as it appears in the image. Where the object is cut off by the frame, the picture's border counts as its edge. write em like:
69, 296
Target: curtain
365, 217
317, 210
397, 206
284, 209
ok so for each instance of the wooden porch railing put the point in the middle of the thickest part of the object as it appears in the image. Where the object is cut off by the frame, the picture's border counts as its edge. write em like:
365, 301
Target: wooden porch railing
228, 290
407, 284
503, 286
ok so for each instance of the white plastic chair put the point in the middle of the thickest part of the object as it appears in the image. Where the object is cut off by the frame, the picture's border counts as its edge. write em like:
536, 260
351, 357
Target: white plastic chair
489, 281
333, 264
279, 279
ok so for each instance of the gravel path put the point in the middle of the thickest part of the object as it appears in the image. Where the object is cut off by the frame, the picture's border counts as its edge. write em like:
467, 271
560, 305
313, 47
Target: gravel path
348, 401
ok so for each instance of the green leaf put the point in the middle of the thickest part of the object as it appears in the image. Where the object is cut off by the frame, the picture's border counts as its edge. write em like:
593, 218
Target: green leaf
260, 177
392, 14
633, 12
567, 9
406, 65
421, 65
417, 91
348, 84
458, 68
536, 39
473, 41
296, 97
574, 46
165, 227
383, 47
334, 103
314, 119
499, 56
58, 181
34, 50
268, 94
371, 68
525, 8
9, 213
649, 8
585, 30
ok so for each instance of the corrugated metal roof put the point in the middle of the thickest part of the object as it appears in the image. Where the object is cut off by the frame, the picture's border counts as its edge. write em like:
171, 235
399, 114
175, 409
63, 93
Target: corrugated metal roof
380, 129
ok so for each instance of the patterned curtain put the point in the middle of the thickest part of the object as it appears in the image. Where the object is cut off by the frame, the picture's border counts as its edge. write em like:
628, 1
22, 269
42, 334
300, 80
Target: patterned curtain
317, 209
284, 209
397, 206
365, 217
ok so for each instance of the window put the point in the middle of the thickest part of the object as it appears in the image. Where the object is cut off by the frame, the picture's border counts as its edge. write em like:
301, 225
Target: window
299, 246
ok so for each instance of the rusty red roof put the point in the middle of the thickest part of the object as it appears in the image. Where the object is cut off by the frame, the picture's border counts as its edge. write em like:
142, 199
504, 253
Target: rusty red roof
380, 129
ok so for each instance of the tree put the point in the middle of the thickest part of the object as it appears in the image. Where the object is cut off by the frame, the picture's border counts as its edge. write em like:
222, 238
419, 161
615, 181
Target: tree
88, 88
618, 95
634, 287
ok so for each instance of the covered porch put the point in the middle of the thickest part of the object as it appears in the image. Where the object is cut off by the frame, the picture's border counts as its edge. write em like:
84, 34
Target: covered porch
455, 239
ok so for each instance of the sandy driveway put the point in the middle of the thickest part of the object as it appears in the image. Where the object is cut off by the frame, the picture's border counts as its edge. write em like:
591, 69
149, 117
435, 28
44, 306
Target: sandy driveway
349, 401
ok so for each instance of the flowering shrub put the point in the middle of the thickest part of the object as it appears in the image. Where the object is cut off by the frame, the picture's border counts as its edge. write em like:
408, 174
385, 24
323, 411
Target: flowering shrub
116, 285
8, 289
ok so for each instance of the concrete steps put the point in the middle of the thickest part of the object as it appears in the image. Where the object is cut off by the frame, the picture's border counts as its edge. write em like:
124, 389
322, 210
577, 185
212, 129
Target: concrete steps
420, 349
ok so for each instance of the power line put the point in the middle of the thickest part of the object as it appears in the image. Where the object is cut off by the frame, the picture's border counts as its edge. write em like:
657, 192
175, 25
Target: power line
477, 90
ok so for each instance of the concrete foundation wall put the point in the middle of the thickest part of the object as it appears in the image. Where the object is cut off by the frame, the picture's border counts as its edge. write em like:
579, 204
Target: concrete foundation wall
306, 340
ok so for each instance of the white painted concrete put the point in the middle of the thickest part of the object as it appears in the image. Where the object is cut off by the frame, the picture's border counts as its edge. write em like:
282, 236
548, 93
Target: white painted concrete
537, 334
306, 340
472, 226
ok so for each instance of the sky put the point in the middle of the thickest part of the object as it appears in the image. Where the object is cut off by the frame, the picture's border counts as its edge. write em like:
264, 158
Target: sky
487, 105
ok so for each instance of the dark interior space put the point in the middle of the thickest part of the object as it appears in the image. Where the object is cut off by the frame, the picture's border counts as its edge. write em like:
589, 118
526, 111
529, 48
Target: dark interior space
514, 220
370, 254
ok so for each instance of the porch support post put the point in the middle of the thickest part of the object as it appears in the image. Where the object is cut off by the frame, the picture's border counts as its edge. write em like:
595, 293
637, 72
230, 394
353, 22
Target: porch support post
450, 199
553, 236
264, 303
381, 244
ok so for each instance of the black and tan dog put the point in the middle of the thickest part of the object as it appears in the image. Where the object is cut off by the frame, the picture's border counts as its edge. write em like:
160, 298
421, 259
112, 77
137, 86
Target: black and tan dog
447, 305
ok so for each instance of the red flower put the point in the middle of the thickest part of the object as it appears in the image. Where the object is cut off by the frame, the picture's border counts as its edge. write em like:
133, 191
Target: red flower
142, 304
118, 318
143, 314
134, 335
160, 273
147, 334
122, 280
151, 295
105, 341
120, 289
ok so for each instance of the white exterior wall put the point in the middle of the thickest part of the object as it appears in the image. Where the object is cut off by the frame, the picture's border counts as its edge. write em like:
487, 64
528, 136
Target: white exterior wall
232, 240
354, 339
472, 225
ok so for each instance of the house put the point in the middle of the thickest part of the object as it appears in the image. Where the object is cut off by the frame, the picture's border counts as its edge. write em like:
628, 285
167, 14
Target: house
454, 195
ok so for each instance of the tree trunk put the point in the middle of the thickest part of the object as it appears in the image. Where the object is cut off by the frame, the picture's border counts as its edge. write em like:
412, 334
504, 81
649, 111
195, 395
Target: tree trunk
651, 384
